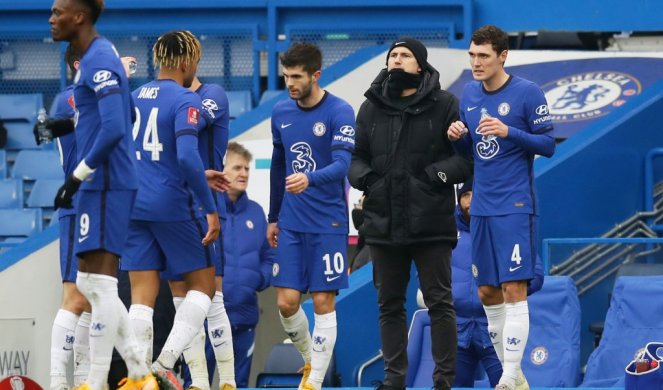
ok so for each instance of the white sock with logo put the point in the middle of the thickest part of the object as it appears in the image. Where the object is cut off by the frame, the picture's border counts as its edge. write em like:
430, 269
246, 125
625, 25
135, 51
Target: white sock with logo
221, 337
62, 346
296, 327
323, 341
194, 356
496, 315
516, 332
82, 349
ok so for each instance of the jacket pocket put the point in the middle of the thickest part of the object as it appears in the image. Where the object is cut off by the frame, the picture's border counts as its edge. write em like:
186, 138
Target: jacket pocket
376, 210
430, 210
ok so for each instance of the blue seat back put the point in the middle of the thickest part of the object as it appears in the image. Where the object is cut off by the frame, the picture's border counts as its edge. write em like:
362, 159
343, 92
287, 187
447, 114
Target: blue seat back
271, 94
419, 356
37, 164
43, 192
3, 164
11, 194
633, 319
20, 107
552, 354
239, 102
19, 136
20, 222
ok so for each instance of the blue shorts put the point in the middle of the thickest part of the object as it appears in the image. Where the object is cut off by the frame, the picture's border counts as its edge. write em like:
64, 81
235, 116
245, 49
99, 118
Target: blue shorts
311, 261
503, 248
102, 220
218, 261
68, 262
174, 247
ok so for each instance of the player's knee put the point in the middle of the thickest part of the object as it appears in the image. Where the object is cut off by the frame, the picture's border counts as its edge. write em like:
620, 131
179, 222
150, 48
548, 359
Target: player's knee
287, 307
489, 295
75, 302
324, 303
515, 291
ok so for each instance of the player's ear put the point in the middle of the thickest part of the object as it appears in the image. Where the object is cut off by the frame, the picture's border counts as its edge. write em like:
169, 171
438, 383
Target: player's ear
316, 75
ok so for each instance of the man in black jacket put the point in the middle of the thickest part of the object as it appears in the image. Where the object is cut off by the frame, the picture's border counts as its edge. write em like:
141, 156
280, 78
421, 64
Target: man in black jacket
407, 167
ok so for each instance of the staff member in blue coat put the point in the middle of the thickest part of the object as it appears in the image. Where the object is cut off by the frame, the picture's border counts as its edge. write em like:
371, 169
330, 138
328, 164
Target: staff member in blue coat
249, 259
474, 343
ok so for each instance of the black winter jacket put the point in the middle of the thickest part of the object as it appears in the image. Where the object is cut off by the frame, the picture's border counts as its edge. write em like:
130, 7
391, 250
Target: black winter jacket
406, 165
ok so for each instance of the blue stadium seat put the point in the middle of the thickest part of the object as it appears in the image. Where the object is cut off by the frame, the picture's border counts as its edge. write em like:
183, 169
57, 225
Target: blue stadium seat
3, 164
633, 319
239, 102
20, 222
20, 107
43, 192
37, 164
282, 368
419, 356
270, 94
11, 194
552, 354
10, 242
20, 136
55, 218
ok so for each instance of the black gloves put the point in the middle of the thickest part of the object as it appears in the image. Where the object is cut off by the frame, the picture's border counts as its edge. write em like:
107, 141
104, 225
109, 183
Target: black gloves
66, 193
52, 128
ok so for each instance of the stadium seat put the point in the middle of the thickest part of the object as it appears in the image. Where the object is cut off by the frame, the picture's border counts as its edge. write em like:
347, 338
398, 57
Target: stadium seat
10, 242
55, 219
239, 102
43, 192
11, 194
19, 136
270, 94
282, 368
3, 164
552, 354
37, 164
20, 107
419, 357
20, 222
633, 319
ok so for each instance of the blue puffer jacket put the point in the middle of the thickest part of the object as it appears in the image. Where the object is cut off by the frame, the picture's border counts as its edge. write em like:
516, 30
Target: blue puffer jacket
249, 259
469, 311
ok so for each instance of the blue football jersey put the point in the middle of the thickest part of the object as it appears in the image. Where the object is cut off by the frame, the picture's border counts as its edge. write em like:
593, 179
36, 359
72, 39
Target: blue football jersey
503, 170
163, 109
101, 74
63, 108
214, 131
308, 136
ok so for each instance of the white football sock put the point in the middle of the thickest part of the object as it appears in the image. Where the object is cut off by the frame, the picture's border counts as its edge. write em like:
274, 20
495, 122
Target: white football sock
221, 337
296, 327
516, 332
189, 319
496, 314
62, 346
323, 341
127, 346
101, 292
82, 349
194, 355
141, 323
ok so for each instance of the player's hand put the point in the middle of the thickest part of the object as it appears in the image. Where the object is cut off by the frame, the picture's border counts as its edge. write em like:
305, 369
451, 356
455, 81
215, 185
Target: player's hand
456, 131
273, 234
213, 229
493, 126
65, 194
217, 180
296, 183
125, 63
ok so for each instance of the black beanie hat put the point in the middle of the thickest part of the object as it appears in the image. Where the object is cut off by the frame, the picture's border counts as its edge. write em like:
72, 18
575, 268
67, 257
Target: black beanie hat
416, 47
463, 188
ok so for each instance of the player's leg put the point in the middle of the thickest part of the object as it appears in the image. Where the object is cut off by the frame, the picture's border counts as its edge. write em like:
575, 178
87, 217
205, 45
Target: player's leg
243, 347
327, 273
391, 274
101, 232
63, 333
220, 335
516, 252
433, 263
82, 347
289, 283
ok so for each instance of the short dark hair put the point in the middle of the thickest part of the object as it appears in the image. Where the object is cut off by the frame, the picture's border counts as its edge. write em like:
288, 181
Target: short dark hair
96, 7
494, 35
71, 56
238, 149
306, 55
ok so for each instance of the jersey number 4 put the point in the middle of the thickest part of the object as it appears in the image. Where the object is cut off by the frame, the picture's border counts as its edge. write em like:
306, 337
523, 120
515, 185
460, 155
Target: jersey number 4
150, 136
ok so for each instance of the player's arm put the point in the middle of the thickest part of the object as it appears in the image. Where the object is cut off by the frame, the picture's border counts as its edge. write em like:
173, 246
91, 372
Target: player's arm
458, 133
361, 175
267, 258
276, 186
61, 121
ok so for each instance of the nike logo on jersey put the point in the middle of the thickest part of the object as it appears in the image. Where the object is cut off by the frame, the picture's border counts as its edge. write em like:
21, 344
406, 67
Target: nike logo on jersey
67, 349
331, 279
81, 239
471, 108
511, 269
284, 125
